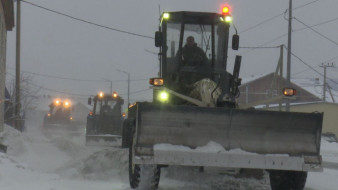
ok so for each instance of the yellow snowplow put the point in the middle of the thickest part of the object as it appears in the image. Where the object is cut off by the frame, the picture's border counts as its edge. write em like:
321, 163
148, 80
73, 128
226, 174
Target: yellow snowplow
59, 115
104, 122
194, 106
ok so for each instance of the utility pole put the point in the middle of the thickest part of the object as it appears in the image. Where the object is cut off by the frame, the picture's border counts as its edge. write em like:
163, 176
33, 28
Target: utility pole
17, 73
288, 66
128, 82
324, 82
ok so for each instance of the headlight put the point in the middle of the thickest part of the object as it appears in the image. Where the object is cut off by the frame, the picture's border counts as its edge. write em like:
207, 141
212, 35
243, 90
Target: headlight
163, 96
166, 15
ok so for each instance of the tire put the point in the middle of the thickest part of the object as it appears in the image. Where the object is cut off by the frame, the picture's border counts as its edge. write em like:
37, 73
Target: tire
287, 180
127, 129
143, 177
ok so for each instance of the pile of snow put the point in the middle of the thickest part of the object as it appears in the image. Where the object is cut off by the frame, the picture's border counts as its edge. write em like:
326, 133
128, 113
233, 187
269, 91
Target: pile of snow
329, 151
43, 160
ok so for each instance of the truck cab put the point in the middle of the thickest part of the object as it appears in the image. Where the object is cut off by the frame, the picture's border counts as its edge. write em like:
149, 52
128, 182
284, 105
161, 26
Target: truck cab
105, 119
210, 32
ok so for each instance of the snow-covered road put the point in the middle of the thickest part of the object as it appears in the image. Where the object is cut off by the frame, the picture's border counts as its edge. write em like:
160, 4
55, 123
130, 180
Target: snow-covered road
50, 160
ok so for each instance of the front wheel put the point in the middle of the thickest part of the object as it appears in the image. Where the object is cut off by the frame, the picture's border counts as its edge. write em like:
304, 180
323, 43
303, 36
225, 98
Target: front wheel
143, 177
287, 180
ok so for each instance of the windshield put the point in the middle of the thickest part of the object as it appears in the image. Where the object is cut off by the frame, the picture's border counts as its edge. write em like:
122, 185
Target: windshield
202, 35
108, 105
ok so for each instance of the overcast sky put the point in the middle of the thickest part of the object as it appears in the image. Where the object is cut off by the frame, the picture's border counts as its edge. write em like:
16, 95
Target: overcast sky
59, 46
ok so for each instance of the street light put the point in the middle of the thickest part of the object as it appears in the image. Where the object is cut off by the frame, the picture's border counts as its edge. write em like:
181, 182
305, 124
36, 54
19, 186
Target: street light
128, 81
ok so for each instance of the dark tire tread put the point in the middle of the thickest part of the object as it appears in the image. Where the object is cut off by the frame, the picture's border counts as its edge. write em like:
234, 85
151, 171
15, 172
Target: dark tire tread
145, 177
287, 180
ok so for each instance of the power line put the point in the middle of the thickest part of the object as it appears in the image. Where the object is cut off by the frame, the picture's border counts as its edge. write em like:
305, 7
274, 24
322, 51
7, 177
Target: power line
48, 89
136, 92
75, 79
88, 22
333, 58
53, 90
300, 72
259, 47
325, 22
281, 36
316, 31
312, 67
74, 94
273, 17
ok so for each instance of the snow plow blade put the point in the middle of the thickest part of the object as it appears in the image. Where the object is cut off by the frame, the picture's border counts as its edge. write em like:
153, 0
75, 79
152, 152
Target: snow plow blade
267, 138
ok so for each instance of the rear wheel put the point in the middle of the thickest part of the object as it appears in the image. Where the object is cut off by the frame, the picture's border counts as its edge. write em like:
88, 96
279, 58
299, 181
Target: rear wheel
287, 180
143, 177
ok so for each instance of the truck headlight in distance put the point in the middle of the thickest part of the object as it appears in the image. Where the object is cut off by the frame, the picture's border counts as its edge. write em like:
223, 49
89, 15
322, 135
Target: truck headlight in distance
57, 102
289, 91
101, 94
66, 104
115, 95
163, 96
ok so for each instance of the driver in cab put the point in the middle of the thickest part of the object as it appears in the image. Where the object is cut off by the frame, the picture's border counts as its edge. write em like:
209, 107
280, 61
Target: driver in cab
192, 55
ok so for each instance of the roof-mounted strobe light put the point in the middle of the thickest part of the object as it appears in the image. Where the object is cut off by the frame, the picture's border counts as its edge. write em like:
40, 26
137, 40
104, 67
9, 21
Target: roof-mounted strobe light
226, 10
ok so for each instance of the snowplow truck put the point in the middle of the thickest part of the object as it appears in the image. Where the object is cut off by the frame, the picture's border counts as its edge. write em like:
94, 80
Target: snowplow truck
59, 114
194, 107
104, 122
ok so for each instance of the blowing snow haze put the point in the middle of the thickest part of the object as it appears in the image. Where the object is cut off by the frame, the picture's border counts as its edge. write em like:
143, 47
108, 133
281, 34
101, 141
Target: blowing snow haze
60, 47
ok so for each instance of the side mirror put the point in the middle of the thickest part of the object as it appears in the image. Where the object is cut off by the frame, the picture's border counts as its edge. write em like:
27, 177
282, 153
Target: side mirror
235, 42
89, 101
158, 39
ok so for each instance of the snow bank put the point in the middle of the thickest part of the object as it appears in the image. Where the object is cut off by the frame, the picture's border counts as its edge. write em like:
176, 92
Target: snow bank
329, 151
